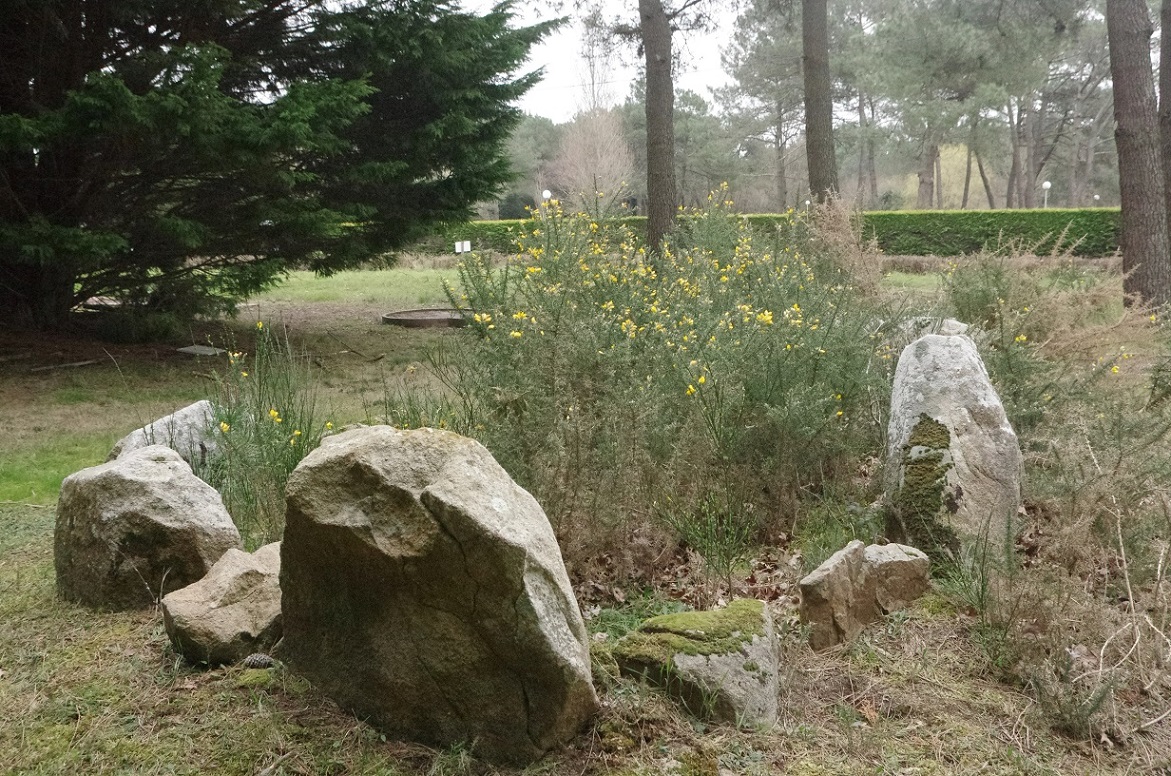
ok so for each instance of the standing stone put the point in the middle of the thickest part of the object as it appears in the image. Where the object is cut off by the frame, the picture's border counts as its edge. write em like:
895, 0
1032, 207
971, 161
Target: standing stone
187, 431
720, 665
232, 612
953, 460
424, 590
132, 530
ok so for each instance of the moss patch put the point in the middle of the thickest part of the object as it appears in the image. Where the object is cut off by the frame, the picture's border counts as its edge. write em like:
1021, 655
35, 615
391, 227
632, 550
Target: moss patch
720, 632
918, 507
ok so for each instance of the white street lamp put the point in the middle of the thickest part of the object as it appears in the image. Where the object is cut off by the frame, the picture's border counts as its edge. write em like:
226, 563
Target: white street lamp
1097, 199
1045, 188
547, 195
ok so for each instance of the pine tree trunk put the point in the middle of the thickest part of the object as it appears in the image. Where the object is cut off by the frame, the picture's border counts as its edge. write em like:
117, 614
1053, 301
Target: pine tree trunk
662, 196
926, 196
782, 179
987, 183
819, 126
938, 179
967, 177
1143, 240
1165, 109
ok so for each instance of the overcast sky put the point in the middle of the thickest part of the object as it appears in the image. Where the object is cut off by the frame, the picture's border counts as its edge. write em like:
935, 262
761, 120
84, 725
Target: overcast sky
562, 92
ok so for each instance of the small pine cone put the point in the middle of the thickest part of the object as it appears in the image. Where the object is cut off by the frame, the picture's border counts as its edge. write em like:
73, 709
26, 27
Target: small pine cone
258, 660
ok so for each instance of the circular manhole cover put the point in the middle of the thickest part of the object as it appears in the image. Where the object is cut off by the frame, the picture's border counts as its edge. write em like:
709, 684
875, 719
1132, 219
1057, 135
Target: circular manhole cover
425, 318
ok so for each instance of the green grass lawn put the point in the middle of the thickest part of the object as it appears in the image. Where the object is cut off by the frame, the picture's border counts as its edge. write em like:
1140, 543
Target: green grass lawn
393, 287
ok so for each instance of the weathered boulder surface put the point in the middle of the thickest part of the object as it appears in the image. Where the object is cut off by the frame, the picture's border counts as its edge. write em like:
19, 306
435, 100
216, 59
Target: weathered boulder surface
720, 665
953, 460
858, 585
132, 530
837, 598
232, 612
424, 590
187, 431
901, 574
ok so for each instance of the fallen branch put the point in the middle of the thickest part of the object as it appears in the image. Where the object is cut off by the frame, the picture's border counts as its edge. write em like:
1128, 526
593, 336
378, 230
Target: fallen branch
25, 504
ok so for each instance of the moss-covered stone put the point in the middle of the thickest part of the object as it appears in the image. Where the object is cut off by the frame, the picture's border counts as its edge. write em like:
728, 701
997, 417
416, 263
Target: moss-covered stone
919, 508
719, 665
719, 632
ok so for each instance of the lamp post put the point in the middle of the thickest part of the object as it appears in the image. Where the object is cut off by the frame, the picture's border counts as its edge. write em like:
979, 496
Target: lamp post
1045, 197
1097, 199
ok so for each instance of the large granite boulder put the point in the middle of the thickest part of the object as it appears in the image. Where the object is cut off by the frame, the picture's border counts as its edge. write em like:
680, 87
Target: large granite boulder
424, 590
187, 431
132, 530
720, 665
953, 461
858, 585
231, 613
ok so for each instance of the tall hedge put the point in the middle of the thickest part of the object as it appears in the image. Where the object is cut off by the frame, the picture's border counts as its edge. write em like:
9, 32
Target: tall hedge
1091, 232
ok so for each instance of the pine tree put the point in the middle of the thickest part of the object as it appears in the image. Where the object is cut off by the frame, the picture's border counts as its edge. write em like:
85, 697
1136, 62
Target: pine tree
178, 155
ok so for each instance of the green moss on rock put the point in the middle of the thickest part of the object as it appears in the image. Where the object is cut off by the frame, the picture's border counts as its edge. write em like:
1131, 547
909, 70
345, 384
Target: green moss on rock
719, 632
919, 507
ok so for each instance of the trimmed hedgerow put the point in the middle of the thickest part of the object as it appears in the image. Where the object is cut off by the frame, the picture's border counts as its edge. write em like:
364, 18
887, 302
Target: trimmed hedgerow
1091, 232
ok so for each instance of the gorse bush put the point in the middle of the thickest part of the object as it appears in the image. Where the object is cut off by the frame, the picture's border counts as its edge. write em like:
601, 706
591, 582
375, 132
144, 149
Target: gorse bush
619, 385
266, 421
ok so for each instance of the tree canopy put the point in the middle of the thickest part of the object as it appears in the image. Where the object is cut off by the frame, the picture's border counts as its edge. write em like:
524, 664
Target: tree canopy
178, 154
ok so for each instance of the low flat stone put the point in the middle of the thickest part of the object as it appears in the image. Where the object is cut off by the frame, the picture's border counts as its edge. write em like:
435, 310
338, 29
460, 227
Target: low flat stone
202, 350
720, 665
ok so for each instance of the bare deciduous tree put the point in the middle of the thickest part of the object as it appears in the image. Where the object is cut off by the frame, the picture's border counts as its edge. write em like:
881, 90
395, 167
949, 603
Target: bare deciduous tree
594, 163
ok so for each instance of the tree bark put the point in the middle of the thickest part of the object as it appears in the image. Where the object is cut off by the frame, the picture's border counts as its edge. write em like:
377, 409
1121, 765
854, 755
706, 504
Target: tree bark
987, 183
662, 194
819, 126
1165, 108
779, 147
926, 196
1145, 258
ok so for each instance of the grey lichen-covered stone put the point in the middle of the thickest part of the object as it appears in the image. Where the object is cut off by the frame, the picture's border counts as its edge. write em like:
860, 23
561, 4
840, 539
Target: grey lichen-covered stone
132, 530
720, 665
953, 460
232, 612
425, 591
187, 431
858, 585
837, 598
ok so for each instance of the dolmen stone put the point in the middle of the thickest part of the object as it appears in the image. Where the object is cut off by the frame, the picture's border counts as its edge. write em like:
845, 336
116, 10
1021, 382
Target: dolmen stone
233, 612
720, 665
187, 431
856, 586
954, 465
132, 530
424, 590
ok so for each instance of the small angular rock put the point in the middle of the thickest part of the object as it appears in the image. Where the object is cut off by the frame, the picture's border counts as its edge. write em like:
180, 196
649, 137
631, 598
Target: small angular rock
233, 612
858, 585
132, 530
837, 598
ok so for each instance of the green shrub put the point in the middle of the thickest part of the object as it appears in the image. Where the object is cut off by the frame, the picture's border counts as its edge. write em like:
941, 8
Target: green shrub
266, 421
607, 381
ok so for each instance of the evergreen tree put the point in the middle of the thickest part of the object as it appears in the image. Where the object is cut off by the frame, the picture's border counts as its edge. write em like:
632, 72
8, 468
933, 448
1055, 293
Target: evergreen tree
178, 155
